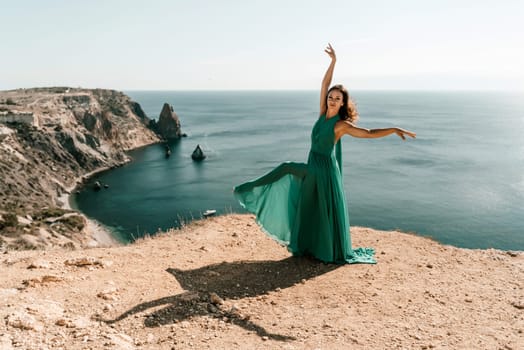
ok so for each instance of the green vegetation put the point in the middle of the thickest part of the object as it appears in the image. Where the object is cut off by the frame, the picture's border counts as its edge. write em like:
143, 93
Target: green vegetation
75, 222
21, 244
50, 213
72, 222
116, 107
9, 220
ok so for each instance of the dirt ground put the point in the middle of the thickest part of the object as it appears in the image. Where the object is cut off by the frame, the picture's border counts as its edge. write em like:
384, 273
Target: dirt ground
220, 283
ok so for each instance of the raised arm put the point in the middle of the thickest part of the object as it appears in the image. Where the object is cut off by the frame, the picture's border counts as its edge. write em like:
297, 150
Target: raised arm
345, 127
328, 76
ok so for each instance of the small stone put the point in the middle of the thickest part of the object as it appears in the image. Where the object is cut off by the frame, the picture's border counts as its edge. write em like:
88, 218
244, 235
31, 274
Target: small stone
212, 308
215, 299
43, 280
429, 266
22, 320
39, 264
22, 221
87, 261
61, 322
80, 261
354, 340
108, 294
518, 305
265, 337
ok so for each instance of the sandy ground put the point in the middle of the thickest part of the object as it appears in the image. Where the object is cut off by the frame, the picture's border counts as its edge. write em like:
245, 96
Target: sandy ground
220, 283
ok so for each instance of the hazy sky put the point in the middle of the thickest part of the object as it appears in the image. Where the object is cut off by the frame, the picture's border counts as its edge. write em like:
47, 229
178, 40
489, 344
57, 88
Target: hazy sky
264, 44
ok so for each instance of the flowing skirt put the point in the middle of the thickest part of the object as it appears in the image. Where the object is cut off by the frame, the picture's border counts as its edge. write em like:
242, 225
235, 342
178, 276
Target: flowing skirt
303, 207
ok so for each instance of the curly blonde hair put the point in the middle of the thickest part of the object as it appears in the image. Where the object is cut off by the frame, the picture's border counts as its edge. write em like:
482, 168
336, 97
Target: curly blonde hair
348, 111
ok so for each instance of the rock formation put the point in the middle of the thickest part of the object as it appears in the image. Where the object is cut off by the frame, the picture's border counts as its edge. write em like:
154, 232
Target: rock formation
168, 125
49, 137
198, 154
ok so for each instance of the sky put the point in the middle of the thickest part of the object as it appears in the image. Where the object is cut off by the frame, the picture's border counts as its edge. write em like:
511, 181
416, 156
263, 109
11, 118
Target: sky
262, 45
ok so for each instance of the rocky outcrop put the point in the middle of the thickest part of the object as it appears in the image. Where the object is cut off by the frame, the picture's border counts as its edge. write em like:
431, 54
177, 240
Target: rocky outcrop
168, 125
9, 116
198, 154
4, 132
71, 132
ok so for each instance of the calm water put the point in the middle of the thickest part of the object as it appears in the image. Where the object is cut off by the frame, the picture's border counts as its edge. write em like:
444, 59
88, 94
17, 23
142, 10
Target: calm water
461, 181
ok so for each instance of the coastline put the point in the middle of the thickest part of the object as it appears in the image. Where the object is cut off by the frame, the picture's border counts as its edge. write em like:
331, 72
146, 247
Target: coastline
98, 235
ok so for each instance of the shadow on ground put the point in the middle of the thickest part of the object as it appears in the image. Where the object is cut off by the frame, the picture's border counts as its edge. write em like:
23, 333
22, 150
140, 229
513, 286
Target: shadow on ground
230, 281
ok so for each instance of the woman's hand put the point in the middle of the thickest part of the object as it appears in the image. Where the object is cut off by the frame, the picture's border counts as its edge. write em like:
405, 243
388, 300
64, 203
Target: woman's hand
326, 81
402, 133
331, 52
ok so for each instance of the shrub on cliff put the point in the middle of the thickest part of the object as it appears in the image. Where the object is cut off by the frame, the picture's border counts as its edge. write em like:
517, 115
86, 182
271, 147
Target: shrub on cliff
75, 222
21, 244
8, 220
50, 212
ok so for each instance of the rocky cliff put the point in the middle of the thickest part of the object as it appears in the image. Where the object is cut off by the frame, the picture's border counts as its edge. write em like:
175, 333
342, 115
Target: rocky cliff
49, 138
168, 125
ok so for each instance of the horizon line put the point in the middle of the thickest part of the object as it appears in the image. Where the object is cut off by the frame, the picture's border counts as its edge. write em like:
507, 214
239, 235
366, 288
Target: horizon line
279, 90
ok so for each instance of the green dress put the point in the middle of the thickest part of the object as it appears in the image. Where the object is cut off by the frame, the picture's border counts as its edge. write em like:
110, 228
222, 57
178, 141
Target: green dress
303, 206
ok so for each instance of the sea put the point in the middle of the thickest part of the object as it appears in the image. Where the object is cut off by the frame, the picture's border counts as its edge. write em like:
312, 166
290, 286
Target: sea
460, 182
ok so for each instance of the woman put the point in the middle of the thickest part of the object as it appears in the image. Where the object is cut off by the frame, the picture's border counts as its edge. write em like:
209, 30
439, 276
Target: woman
303, 206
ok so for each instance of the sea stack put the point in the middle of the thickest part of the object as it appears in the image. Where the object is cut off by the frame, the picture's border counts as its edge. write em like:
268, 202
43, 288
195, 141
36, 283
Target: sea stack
198, 154
168, 125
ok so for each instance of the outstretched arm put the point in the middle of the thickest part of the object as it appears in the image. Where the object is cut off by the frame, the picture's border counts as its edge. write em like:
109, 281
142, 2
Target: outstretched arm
328, 76
347, 128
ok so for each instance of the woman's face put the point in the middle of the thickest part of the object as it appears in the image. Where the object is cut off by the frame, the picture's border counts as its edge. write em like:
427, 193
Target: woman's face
335, 100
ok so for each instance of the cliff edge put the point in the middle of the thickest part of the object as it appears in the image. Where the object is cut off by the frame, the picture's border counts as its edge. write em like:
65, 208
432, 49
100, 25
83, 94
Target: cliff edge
221, 283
